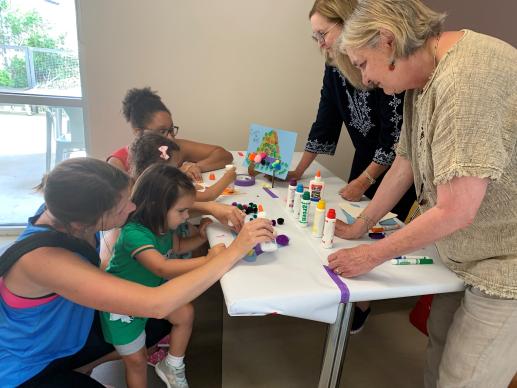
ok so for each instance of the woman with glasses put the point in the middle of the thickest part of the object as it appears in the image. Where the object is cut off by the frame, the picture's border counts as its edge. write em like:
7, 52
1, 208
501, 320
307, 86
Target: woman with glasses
458, 148
372, 118
145, 111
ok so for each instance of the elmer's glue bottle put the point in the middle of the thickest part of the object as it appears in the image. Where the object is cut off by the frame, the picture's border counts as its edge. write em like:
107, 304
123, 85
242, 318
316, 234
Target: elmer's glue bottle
319, 219
328, 230
304, 209
316, 187
290, 195
268, 246
297, 200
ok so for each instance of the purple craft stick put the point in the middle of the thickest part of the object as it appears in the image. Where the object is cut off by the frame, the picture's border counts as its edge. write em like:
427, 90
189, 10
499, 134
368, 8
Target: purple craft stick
273, 195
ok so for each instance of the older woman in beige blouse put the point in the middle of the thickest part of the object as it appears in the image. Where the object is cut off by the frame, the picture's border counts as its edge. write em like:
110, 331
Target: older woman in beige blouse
458, 147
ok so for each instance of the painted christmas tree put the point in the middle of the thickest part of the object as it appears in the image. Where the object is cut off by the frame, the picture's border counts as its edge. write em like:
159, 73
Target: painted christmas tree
269, 145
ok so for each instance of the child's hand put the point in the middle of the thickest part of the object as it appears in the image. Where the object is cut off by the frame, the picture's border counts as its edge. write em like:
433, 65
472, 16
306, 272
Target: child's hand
202, 226
228, 215
215, 250
192, 171
229, 176
253, 233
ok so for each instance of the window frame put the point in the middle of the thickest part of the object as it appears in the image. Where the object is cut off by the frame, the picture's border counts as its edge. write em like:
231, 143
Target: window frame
9, 96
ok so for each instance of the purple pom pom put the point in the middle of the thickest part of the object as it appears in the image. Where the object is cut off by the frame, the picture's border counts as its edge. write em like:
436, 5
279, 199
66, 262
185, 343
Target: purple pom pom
282, 240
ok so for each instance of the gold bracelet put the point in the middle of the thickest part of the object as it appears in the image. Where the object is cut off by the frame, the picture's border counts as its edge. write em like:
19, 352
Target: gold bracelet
367, 220
369, 177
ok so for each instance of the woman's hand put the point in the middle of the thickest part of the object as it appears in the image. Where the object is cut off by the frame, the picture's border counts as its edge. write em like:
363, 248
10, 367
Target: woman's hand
192, 171
350, 231
354, 190
350, 262
228, 215
202, 226
253, 233
290, 175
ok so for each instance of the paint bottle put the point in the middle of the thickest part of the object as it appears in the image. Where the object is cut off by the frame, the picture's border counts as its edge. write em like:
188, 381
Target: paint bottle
319, 219
304, 209
231, 187
297, 200
312, 210
290, 195
268, 246
316, 186
328, 230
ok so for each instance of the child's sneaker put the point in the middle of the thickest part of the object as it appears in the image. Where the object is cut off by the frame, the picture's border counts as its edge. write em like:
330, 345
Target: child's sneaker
164, 342
171, 376
154, 358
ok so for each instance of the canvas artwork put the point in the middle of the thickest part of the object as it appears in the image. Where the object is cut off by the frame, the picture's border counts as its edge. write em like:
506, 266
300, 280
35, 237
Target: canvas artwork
270, 150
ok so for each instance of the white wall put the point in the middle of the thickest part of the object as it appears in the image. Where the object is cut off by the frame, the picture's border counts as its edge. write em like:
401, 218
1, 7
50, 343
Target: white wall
222, 65
218, 65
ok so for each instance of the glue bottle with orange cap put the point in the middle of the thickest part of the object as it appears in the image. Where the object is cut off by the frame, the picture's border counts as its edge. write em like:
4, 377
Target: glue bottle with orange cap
316, 187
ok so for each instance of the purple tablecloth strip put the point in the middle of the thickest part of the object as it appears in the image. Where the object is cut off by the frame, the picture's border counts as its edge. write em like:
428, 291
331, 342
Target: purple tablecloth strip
345, 294
273, 195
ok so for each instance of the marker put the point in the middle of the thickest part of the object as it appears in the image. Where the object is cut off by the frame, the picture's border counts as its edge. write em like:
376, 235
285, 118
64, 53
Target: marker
380, 229
303, 217
297, 202
290, 195
408, 260
327, 241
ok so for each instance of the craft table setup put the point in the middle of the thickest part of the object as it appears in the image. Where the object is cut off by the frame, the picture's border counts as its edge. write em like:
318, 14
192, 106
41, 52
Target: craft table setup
294, 281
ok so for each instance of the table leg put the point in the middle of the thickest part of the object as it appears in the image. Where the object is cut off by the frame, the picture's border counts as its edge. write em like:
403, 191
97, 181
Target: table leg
335, 347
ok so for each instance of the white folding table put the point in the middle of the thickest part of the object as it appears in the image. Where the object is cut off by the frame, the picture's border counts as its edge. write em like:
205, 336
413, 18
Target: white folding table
293, 281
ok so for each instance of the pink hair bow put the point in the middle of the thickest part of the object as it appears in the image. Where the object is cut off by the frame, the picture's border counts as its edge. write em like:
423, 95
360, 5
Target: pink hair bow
164, 155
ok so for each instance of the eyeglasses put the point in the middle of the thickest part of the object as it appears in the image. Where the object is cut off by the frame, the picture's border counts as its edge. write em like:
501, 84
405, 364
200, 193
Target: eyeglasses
319, 37
172, 130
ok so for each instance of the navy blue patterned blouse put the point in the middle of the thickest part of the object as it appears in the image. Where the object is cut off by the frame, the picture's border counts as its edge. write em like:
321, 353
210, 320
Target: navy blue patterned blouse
372, 118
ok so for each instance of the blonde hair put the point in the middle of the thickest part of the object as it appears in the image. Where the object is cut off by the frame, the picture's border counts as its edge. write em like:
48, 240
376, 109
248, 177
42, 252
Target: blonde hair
410, 21
338, 11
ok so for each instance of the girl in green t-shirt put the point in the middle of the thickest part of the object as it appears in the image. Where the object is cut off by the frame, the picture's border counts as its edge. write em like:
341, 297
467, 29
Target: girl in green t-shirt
163, 196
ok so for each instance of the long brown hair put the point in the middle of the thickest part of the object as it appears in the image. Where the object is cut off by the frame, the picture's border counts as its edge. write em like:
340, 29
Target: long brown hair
158, 188
82, 190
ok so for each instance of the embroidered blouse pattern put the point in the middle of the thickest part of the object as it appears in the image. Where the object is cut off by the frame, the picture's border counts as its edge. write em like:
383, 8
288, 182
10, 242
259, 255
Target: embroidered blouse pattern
359, 108
316, 147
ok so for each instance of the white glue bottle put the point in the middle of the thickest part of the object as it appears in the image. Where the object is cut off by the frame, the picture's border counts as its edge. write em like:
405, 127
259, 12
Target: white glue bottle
328, 230
290, 195
319, 219
231, 187
268, 246
297, 200
316, 187
304, 209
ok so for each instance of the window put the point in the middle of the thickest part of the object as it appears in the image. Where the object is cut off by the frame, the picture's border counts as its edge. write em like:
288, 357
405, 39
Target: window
41, 115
